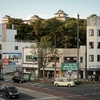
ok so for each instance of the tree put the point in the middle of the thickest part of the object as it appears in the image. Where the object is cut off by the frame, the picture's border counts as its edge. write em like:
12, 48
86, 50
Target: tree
45, 51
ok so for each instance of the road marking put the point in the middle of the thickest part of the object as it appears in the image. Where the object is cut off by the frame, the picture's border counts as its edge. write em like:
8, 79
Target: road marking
93, 93
70, 96
96, 87
77, 95
85, 94
46, 98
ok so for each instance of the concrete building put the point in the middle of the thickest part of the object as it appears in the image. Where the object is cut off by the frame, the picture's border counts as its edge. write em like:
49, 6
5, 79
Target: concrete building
68, 59
93, 46
10, 49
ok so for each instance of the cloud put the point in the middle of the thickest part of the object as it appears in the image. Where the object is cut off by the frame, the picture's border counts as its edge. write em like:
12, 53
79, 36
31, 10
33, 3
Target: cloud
28, 17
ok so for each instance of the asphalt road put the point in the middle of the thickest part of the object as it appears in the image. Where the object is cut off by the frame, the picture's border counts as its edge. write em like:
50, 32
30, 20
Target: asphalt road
50, 92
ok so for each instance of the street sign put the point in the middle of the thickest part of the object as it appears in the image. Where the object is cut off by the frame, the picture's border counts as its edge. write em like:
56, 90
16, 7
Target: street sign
69, 66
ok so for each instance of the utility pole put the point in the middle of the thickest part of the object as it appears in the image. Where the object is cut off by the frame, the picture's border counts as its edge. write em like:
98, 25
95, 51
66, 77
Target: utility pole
55, 57
78, 46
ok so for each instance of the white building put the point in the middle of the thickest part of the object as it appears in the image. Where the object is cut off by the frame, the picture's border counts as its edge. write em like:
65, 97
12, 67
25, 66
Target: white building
93, 45
10, 49
69, 56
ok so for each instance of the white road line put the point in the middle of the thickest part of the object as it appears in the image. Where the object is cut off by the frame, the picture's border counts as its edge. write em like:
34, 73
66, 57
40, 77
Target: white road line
96, 87
93, 93
77, 95
85, 94
69, 96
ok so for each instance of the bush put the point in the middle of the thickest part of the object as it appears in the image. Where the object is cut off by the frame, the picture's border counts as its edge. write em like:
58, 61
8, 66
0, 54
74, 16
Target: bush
78, 82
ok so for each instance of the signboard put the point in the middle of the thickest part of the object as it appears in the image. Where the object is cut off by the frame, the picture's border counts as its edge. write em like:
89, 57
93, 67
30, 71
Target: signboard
12, 59
69, 66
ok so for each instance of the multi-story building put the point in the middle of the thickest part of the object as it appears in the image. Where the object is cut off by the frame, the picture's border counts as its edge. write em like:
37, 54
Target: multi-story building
66, 64
93, 45
10, 49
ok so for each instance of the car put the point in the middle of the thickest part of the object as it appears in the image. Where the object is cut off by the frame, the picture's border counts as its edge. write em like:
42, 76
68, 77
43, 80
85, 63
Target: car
1, 77
18, 79
1, 87
63, 82
11, 92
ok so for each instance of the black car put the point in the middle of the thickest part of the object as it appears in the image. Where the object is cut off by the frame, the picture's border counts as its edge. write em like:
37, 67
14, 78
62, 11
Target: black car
18, 79
1, 77
11, 92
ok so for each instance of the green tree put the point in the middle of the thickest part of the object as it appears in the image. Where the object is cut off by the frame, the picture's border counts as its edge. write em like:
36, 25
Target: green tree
45, 51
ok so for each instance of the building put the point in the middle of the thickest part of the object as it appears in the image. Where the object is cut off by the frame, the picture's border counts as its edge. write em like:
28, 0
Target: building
10, 49
6, 19
61, 15
93, 46
66, 64
29, 65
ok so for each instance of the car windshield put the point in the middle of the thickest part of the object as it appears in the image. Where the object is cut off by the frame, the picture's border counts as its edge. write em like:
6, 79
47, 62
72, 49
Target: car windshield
12, 89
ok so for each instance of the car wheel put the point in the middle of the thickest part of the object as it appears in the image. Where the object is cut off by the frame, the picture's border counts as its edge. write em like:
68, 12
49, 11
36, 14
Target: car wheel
69, 85
56, 84
20, 81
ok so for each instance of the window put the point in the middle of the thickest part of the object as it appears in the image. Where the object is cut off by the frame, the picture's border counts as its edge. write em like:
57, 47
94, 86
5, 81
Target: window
98, 32
81, 59
16, 47
98, 45
70, 59
0, 47
91, 32
91, 45
98, 58
91, 58
52, 59
0, 56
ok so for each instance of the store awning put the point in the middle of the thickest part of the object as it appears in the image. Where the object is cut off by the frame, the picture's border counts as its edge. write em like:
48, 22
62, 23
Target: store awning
50, 69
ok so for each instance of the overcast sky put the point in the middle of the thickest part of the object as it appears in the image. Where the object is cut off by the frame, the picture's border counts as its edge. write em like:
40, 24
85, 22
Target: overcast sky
47, 8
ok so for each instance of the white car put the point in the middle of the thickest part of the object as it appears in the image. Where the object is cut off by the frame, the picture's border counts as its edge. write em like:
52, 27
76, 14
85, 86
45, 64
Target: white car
63, 82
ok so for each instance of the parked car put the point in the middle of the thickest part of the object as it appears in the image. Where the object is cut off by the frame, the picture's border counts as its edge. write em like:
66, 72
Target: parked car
63, 82
1, 87
11, 92
1, 77
18, 79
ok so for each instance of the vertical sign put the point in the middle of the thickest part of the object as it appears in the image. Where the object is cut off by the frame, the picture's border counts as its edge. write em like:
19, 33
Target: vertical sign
4, 31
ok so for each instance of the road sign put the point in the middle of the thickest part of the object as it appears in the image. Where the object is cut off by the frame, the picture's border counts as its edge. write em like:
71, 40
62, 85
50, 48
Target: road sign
69, 66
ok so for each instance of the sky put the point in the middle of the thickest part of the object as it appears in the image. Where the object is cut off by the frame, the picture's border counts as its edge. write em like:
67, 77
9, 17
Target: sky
46, 9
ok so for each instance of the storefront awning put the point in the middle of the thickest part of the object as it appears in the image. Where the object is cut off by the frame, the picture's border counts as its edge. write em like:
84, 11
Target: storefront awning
50, 69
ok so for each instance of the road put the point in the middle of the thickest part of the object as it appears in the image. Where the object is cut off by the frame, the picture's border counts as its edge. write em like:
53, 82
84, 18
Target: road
36, 91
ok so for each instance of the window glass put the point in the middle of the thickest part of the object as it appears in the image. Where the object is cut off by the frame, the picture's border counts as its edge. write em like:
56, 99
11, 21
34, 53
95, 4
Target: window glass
16, 47
91, 32
91, 58
91, 45
98, 45
98, 32
98, 58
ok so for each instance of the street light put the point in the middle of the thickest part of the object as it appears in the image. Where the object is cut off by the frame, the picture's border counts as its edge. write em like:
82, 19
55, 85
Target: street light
78, 46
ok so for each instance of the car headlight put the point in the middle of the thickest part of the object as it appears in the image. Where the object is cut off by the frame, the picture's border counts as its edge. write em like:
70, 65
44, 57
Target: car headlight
10, 93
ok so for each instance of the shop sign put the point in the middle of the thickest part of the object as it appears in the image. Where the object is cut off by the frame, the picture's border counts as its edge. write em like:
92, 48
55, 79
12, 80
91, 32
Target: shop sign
69, 66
